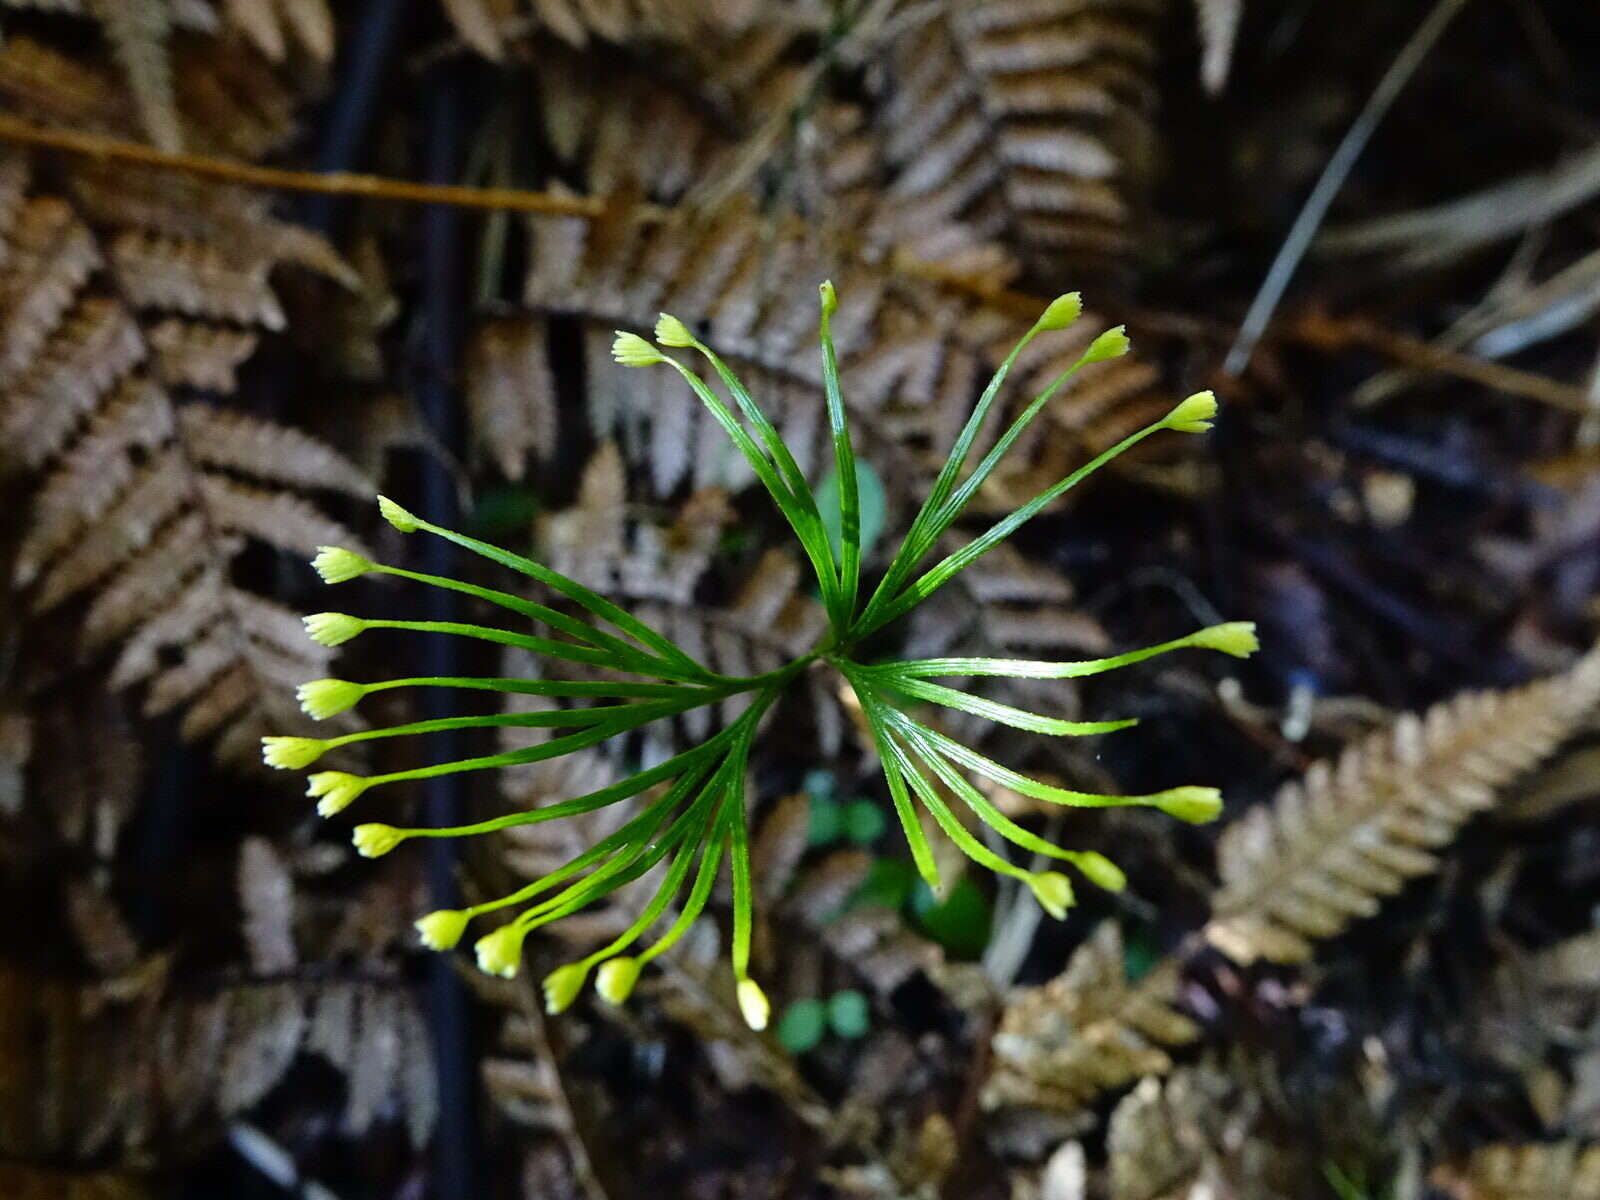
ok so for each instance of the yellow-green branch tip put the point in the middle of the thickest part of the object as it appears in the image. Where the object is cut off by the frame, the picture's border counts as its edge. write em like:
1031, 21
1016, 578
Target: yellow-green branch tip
631, 350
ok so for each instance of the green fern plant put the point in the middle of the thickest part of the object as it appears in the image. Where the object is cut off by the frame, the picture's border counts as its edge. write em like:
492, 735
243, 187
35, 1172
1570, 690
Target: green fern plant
694, 815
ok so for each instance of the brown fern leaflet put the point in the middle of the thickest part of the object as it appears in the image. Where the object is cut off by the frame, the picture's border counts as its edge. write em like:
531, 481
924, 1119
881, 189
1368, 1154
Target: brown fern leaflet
117, 295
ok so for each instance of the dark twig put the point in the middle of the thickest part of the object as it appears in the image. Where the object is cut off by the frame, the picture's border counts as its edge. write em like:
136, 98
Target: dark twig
1333, 176
443, 293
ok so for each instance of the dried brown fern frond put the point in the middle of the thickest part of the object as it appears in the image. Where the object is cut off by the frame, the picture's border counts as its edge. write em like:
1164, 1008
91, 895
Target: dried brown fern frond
143, 498
273, 26
1332, 846
121, 1071
1033, 120
138, 34
1194, 1134
19, 1182
485, 25
1554, 1171
84, 800
511, 394
1088, 1029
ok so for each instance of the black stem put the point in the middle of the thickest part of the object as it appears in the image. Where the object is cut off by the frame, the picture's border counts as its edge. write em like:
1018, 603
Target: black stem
455, 1145
371, 49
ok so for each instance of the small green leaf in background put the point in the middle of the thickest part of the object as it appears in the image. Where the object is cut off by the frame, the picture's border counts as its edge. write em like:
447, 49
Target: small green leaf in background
960, 923
874, 506
888, 884
1139, 954
863, 821
827, 821
802, 1025
848, 1014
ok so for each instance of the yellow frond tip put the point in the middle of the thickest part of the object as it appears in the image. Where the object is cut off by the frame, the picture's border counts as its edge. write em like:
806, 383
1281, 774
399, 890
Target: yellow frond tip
376, 840
337, 789
631, 350
1237, 638
616, 979
324, 698
830, 298
1113, 343
397, 516
1100, 870
1194, 415
672, 332
561, 986
500, 952
1196, 805
332, 629
337, 565
1053, 890
753, 1004
441, 930
291, 753
1063, 311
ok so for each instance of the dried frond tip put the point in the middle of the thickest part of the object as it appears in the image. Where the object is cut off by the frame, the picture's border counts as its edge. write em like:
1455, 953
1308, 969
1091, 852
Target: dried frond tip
397, 516
291, 753
336, 565
753, 1004
672, 332
337, 789
332, 629
500, 953
441, 930
324, 698
1053, 890
631, 350
376, 840
1194, 415
561, 986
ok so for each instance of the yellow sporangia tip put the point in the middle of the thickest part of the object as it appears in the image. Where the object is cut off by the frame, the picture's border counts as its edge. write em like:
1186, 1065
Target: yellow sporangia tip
1197, 805
337, 789
324, 698
672, 332
561, 986
291, 753
1053, 890
376, 840
1063, 311
753, 1005
332, 629
1113, 343
1194, 415
500, 952
631, 350
616, 979
397, 516
336, 565
1100, 870
441, 930
1237, 638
